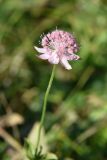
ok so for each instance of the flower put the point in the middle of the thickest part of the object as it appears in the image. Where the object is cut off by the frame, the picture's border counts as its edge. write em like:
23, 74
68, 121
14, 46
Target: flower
58, 47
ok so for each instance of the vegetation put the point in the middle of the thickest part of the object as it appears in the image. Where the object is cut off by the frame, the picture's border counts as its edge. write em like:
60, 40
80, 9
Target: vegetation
76, 120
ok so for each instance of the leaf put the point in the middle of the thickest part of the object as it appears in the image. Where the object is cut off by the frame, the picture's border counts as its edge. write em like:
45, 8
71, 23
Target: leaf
51, 156
33, 137
29, 149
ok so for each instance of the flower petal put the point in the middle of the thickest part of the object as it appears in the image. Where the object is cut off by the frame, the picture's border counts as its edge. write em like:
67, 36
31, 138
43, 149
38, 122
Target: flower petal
44, 56
40, 50
54, 59
72, 57
65, 63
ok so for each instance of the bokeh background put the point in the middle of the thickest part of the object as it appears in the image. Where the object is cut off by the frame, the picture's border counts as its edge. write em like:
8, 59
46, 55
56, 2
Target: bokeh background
76, 121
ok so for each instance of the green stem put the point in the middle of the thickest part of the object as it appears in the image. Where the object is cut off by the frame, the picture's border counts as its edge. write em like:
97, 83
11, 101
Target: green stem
44, 106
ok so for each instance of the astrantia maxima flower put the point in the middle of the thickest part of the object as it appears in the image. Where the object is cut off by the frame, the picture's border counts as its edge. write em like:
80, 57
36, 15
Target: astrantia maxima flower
58, 47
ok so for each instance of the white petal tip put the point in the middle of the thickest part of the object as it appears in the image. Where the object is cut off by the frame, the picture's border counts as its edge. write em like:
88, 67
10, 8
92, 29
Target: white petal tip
35, 47
65, 63
40, 50
69, 68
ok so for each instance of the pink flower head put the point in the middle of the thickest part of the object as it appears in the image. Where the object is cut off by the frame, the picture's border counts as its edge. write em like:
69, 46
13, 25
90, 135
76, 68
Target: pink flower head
58, 47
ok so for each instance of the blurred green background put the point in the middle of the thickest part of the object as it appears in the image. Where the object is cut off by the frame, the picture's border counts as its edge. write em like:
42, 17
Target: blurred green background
76, 121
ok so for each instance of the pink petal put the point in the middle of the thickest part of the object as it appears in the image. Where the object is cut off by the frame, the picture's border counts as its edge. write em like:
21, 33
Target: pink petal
54, 59
44, 56
72, 57
65, 63
40, 50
